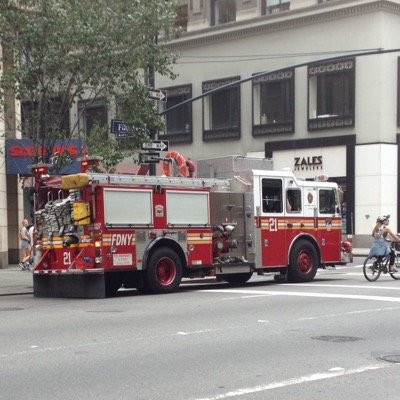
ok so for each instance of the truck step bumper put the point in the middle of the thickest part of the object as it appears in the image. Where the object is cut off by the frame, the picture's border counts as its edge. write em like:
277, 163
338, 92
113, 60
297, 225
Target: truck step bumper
87, 286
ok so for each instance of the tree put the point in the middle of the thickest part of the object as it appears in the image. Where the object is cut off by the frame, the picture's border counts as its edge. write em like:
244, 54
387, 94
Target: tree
61, 52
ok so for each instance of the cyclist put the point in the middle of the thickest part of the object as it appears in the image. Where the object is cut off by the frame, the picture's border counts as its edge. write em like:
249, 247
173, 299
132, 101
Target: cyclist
379, 246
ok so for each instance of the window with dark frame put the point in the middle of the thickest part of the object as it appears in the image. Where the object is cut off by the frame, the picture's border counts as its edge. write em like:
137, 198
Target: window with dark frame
92, 113
274, 6
327, 201
223, 11
181, 20
271, 192
221, 110
273, 103
56, 118
293, 200
178, 122
331, 95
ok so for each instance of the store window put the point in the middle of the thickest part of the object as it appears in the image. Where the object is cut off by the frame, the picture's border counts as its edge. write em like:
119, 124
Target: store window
274, 6
223, 11
331, 88
56, 118
271, 193
178, 121
92, 114
273, 103
221, 110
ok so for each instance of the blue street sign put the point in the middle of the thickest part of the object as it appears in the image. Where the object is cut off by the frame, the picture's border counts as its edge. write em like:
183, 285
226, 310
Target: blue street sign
121, 128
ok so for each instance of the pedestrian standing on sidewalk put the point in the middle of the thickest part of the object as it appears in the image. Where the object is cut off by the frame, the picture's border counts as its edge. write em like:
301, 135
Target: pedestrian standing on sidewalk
25, 244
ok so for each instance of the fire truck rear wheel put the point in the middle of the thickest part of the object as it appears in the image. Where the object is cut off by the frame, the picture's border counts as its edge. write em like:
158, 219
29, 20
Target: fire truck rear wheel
303, 262
164, 271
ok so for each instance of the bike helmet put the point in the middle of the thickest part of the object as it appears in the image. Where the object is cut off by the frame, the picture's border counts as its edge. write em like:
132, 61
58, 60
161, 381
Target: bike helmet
383, 218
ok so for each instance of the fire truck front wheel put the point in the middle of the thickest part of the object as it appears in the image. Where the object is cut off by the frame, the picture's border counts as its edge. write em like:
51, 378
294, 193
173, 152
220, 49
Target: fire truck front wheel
164, 271
303, 262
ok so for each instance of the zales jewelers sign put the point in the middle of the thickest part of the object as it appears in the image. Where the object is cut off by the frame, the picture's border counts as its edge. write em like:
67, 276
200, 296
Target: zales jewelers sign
307, 163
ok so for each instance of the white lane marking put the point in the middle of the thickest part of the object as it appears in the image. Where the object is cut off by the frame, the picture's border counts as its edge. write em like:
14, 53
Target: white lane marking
372, 310
305, 294
255, 295
333, 373
368, 286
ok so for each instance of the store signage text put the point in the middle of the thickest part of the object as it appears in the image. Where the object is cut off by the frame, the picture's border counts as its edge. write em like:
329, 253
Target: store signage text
30, 151
22, 153
307, 163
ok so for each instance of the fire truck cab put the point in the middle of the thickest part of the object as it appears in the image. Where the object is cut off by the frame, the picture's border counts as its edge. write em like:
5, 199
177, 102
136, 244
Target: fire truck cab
101, 232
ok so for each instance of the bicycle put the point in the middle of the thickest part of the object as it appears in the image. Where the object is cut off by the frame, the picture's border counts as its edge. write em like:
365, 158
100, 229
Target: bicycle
375, 266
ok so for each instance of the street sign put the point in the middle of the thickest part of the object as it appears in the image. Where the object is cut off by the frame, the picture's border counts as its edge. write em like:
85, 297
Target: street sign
159, 95
121, 128
160, 145
151, 157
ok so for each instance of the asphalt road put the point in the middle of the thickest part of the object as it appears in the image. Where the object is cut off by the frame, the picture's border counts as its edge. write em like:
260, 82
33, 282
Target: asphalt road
335, 338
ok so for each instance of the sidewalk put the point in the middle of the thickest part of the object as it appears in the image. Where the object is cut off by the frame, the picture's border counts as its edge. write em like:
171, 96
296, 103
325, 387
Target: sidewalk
13, 281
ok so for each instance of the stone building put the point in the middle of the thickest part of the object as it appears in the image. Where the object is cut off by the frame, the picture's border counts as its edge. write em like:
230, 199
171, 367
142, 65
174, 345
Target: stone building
318, 104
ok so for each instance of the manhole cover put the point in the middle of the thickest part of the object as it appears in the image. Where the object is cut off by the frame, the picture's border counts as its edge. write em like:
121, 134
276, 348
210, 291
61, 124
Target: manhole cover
393, 358
337, 339
10, 309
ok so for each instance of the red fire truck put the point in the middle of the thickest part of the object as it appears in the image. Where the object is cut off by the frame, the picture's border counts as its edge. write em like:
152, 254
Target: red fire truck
100, 232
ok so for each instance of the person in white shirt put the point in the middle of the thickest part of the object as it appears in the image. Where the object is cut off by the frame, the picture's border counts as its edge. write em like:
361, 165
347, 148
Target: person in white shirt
25, 244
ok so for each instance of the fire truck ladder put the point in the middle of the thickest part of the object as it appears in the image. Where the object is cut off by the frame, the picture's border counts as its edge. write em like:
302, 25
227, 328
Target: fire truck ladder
116, 179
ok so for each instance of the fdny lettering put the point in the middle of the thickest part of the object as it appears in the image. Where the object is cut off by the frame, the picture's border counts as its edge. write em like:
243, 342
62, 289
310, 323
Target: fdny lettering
122, 239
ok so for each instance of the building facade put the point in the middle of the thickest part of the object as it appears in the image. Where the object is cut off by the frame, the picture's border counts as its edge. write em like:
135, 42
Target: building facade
11, 193
313, 93
303, 83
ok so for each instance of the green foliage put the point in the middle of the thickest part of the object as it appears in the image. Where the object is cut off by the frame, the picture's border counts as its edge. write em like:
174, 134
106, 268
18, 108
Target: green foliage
57, 52
101, 145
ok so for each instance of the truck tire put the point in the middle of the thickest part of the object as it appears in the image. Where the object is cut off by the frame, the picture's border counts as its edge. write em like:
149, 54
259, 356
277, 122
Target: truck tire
164, 271
303, 262
238, 279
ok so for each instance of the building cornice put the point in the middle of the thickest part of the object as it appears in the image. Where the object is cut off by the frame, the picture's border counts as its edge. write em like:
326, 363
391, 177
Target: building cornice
317, 14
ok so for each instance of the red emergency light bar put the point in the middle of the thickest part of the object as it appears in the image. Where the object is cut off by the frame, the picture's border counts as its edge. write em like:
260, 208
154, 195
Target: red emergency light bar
89, 161
40, 169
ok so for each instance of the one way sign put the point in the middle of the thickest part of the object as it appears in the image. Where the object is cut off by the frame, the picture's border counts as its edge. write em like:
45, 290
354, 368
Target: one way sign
159, 95
160, 145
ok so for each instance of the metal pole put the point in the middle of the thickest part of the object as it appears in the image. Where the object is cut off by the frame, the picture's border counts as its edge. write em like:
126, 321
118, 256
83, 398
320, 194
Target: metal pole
151, 85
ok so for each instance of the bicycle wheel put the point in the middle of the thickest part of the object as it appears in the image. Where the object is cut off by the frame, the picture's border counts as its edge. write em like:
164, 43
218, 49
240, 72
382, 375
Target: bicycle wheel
396, 275
372, 269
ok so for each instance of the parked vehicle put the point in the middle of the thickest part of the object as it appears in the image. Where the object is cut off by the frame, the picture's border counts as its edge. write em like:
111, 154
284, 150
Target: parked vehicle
238, 217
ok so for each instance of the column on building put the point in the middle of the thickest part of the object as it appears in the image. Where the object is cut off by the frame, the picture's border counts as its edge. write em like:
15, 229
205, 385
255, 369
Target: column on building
376, 189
